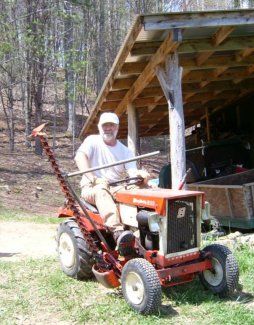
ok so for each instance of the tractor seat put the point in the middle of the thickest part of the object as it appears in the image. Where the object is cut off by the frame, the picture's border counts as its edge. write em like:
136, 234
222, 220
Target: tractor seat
90, 206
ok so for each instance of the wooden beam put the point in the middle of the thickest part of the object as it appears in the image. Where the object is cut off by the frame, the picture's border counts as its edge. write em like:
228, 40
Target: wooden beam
202, 57
133, 67
198, 46
243, 54
144, 102
210, 76
109, 105
221, 34
123, 83
202, 19
218, 61
205, 45
217, 39
147, 75
208, 129
190, 88
116, 95
207, 95
151, 91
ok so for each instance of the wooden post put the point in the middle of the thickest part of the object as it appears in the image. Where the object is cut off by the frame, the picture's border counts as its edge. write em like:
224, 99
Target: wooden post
208, 131
170, 81
132, 128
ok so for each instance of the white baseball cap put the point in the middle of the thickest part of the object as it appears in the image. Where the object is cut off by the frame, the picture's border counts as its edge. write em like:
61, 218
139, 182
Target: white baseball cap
108, 118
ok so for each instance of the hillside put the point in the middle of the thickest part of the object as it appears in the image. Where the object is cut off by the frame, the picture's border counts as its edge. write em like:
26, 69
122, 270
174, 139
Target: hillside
27, 182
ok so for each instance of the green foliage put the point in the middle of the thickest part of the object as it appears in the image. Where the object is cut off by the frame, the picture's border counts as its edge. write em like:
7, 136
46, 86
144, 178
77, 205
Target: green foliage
5, 48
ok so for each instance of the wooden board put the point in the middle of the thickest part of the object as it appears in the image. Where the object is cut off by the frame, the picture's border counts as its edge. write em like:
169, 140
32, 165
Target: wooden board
230, 196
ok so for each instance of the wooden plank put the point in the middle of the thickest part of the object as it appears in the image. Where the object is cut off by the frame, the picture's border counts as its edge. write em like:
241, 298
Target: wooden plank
109, 105
252, 197
229, 201
124, 83
217, 61
219, 84
202, 57
141, 102
221, 34
189, 46
243, 54
226, 201
207, 95
132, 67
151, 91
210, 76
202, 19
205, 45
116, 95
217, 39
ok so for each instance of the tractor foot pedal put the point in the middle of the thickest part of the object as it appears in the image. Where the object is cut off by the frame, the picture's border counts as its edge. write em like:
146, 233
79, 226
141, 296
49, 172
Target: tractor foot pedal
125, 243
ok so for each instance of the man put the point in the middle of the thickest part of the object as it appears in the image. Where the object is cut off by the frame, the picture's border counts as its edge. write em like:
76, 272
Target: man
103, 149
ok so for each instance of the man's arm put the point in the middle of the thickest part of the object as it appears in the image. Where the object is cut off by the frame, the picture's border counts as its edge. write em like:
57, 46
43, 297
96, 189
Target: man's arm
83, 163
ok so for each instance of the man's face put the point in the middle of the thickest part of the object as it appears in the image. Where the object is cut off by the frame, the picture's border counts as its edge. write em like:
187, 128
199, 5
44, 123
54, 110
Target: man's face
108, 131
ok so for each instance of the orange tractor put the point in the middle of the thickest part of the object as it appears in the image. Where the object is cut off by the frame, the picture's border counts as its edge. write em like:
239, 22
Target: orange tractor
166, 250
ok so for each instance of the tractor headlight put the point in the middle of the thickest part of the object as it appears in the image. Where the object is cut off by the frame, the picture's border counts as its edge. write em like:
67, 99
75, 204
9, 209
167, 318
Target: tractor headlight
154, 222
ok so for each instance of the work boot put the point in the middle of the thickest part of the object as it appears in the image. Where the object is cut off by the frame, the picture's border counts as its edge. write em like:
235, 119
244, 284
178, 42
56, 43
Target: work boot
125, 242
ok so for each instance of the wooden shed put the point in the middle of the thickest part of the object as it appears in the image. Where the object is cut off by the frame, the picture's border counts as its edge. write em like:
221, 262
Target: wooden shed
175, 70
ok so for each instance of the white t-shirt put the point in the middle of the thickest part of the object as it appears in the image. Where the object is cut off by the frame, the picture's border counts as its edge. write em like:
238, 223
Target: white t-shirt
99, 153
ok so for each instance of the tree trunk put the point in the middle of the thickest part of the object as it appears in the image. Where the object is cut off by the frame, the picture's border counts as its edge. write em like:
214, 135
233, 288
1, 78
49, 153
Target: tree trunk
69, 73
170, 81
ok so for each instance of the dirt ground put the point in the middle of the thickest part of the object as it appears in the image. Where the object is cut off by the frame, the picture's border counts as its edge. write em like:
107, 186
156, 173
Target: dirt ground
21, 240
28, 184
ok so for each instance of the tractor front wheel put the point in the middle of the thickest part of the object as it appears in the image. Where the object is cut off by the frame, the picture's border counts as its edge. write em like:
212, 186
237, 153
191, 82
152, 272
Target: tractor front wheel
73, 251
141, 286
223, 278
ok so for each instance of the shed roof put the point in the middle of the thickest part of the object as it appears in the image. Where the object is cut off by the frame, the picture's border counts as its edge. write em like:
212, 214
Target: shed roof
215, 50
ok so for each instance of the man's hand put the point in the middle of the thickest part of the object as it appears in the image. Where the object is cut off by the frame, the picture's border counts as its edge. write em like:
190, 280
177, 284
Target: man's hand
101, 182
92, 180
139, 172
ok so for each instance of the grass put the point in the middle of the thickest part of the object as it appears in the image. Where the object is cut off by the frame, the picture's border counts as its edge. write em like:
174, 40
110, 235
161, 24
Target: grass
35, 291
19, 216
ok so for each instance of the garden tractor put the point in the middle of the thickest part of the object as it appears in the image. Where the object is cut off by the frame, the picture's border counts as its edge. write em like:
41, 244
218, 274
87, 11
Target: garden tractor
165, 252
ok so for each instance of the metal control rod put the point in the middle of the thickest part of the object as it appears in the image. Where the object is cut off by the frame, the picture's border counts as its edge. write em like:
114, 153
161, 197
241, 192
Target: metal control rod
113, 164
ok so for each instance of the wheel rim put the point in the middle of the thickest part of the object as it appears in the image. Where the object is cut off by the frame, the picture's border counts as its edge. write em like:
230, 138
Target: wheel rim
66, 250
214, 276
134, 288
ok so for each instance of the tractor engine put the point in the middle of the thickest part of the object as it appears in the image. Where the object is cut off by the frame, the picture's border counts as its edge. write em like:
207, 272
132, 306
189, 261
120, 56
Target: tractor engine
149, 231
168, 221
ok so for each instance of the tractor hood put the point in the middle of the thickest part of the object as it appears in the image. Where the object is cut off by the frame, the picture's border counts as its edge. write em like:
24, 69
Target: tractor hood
154, 199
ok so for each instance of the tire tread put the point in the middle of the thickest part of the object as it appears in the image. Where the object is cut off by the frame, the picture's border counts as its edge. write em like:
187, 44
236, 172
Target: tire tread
83, 270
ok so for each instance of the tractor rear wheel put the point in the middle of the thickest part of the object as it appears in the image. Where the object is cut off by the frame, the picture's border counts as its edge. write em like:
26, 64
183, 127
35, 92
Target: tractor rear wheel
73, 251
223, 278
141, 286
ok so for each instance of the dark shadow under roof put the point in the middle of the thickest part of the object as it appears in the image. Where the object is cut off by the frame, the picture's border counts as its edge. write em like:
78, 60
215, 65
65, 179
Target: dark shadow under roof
215, 50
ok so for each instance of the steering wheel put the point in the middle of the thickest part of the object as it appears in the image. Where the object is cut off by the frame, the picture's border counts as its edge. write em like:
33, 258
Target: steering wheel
128, 181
